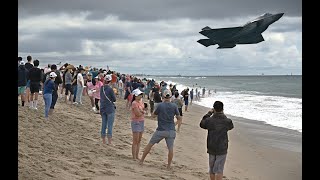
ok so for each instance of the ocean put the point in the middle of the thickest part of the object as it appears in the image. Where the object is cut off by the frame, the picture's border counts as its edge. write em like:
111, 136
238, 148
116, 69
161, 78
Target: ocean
272, 99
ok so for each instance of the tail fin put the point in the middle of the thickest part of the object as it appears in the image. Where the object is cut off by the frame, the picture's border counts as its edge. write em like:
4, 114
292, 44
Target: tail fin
206, 28
206, 42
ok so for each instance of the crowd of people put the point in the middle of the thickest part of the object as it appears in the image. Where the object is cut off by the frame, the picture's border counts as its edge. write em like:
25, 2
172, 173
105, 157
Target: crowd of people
104, 86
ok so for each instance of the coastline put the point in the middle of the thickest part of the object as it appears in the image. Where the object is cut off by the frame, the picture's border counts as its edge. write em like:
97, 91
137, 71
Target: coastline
69, 147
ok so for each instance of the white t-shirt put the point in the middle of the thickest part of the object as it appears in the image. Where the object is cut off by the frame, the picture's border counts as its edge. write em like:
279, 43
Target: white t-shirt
120, 84
80, 80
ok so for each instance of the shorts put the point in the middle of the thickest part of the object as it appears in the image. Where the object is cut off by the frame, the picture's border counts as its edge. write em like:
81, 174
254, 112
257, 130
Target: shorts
216, 163
180, 111
130, 96
137, 126
68, 89
34, 87
168, 135
186, 102
22, 90
28, 84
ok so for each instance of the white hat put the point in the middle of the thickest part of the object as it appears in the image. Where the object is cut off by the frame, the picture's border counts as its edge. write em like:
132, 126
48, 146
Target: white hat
137, 92
108, 77
21, 63
97, 77
53, 74
167, 93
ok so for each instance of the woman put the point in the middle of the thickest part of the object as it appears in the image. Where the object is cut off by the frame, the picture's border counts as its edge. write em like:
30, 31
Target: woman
137, 121
91, 89
96, 95
107, 109
48, 88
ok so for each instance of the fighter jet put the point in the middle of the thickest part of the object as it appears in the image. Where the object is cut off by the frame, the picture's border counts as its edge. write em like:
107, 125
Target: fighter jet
250, 33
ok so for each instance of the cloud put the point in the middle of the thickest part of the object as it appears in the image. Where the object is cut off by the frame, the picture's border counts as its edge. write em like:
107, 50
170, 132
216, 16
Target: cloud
158, 36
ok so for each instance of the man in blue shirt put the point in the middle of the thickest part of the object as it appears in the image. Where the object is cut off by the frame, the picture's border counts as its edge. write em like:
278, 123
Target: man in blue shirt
166, 126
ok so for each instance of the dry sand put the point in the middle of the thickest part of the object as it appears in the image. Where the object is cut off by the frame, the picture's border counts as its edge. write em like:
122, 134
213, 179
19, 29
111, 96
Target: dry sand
68, 146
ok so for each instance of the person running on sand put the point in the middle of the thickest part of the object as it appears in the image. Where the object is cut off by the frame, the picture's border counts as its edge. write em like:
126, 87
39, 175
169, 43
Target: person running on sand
107, 109
137, 121
166, 127
218, 125
48, 88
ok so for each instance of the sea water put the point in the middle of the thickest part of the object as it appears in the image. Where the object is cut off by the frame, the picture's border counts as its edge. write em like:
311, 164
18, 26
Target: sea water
275, 100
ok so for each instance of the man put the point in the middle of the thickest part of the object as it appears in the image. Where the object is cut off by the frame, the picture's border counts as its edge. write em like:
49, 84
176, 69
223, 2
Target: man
28, 66
217, 140
35, 76
166, 126
22, 81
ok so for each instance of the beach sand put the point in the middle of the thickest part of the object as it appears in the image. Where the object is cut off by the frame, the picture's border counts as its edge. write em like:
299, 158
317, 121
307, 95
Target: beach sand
68, 146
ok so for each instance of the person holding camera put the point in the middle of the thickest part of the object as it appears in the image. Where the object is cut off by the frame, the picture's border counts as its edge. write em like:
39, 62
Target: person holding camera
218, 125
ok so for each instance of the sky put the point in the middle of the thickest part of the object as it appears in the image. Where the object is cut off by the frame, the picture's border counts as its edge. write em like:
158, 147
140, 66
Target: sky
159, 37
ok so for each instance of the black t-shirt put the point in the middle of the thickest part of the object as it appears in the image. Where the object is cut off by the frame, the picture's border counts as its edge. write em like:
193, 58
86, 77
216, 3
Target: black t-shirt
35, 74
28, 66
156, 96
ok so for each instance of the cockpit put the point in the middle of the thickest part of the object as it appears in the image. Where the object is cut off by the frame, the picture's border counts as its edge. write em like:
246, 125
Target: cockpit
260, 17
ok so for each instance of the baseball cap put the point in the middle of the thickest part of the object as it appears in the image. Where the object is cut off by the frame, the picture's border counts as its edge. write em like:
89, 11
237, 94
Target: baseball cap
21, 63
167, 94
218, 105
108, 77
53, 74
137, 92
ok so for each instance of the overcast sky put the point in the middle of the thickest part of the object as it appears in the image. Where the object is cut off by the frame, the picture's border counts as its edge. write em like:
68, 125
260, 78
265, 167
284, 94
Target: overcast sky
159, 36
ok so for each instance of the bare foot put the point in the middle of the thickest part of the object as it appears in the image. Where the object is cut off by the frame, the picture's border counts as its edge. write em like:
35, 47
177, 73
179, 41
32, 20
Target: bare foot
140, 162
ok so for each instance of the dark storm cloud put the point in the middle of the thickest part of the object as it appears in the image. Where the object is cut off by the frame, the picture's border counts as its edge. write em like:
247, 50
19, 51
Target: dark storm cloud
149, 10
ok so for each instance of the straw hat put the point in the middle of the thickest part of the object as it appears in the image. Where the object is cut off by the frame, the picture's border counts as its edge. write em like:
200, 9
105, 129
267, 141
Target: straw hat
70, 66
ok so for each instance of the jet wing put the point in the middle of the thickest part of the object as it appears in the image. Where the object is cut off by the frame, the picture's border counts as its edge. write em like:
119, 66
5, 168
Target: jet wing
222, 33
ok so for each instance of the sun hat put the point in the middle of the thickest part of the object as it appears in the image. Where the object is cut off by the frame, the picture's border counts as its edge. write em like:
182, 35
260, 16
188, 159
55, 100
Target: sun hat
70, 66
137, 92
53, 74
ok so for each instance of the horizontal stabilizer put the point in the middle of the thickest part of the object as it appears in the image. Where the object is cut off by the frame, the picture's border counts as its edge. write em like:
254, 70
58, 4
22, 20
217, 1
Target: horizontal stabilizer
206, 28
206, 42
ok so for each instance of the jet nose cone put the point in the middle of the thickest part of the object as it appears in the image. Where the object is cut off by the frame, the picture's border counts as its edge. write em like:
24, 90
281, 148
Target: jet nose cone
278, 16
